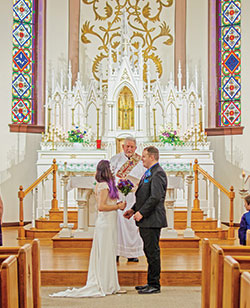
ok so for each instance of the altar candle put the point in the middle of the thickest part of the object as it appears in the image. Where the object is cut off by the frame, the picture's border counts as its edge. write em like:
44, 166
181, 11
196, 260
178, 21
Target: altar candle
243, 179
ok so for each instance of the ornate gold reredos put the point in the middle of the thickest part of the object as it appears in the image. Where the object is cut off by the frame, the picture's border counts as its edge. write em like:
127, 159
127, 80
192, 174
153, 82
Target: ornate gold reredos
145, 29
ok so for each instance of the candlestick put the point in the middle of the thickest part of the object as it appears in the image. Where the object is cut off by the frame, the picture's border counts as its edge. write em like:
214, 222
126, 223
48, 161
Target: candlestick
49, 116
154, 124
243, 179
200, 119
73, 111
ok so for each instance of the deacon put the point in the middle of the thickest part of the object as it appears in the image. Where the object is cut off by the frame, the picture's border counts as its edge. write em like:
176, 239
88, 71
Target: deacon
128, 165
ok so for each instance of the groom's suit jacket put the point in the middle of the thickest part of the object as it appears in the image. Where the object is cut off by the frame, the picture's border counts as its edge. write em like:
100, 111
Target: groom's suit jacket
150, 196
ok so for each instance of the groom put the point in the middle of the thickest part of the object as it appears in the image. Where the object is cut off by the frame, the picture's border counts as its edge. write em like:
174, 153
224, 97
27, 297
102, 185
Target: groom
150, 216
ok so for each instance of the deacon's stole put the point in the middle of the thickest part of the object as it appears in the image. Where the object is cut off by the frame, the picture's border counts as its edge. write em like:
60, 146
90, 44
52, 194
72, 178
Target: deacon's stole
127, 167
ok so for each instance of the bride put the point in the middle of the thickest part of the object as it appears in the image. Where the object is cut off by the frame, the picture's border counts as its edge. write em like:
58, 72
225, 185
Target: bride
102, 273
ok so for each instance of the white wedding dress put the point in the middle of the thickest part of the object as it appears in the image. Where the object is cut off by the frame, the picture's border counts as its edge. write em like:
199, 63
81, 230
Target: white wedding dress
102, 273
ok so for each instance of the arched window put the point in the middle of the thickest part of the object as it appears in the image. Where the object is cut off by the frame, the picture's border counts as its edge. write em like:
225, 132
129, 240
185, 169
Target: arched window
224, 80
28, 66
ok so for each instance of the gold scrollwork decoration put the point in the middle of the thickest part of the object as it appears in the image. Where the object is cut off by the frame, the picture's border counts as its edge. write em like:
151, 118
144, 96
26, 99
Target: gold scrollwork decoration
139, 19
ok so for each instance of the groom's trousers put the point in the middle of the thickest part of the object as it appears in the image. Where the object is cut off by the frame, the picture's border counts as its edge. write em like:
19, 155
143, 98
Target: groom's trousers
151, 237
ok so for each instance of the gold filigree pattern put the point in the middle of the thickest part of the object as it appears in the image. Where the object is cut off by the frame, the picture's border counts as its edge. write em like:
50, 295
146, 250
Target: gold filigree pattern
125, 75
146, 30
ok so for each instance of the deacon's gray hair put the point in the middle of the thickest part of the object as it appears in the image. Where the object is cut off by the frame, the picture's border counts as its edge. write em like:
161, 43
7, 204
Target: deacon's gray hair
130, 139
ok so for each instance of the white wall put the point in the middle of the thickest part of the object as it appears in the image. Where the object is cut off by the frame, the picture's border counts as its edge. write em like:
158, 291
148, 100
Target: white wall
56, 37
88, 52
18, 151
197, 40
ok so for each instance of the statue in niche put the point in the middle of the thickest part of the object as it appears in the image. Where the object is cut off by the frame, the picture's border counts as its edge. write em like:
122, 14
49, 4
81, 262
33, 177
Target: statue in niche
126, 109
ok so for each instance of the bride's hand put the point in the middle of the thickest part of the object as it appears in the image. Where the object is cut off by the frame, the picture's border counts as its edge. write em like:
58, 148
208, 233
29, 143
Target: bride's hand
122, 205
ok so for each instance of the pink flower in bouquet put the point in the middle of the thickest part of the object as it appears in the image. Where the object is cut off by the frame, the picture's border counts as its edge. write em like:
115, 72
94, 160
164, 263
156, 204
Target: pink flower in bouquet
125, 186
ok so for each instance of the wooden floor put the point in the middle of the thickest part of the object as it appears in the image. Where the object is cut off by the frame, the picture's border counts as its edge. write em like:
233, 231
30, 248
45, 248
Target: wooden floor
68, 267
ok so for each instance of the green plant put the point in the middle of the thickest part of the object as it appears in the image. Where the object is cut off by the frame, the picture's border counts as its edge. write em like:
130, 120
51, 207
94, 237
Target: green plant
170, 136
77, 135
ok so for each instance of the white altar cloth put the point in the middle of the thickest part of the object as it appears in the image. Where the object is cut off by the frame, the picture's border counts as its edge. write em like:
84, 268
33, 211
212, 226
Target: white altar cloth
87, 182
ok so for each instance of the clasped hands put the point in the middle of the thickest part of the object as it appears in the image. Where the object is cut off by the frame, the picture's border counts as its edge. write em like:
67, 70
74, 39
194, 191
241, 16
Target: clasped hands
121, 205
129, 213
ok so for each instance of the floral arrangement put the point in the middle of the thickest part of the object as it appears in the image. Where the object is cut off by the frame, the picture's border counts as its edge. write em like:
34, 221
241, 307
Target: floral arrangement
79, 136
170, 136
125, 186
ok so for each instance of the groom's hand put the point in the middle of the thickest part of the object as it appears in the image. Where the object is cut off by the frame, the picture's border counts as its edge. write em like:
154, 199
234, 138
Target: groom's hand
128, 214
138, 216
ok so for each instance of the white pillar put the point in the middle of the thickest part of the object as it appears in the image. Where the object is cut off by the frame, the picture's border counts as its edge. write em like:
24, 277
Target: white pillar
209, 204
219, 210
82, 200
66, 228
189, 232
169, 203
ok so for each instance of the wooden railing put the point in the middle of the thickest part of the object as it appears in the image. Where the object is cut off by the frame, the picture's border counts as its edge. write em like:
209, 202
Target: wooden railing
23, 193
230, 194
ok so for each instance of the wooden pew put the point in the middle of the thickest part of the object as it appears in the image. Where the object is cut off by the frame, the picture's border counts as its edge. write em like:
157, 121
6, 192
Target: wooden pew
29, 273
206, 269
233, 268
8, 282
217, 267
245, 290
205, 274
36, 266
248, 238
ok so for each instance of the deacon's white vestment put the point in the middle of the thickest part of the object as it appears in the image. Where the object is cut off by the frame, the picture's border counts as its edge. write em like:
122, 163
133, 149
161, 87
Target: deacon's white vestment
129, 242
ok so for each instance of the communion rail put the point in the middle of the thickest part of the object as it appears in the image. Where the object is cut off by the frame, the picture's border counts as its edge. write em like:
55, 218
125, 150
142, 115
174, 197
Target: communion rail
33, 189
230, 194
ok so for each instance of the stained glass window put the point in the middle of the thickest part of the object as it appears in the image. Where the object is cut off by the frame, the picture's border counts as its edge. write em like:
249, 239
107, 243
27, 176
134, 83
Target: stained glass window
23, 61
229, 63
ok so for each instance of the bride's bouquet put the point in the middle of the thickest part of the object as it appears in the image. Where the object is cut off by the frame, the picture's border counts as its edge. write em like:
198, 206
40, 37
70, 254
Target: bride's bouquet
125, 186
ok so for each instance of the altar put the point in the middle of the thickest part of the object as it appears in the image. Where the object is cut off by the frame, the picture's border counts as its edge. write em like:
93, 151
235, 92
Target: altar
85, 123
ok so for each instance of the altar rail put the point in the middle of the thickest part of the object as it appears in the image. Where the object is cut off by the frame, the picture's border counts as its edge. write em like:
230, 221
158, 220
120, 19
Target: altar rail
230, 194
54, 202
33, 189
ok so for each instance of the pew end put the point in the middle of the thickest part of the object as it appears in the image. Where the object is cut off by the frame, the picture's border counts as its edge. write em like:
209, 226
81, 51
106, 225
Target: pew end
205, 274
9, 283
245, 290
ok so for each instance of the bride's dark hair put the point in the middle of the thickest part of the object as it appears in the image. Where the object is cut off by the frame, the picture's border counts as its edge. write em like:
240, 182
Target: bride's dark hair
104, 174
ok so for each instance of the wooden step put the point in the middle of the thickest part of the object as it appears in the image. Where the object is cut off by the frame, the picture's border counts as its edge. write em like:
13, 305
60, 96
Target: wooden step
220, 234
196, 224
182, 215
178, 224
32, 233
58, 215
179, 242
71, 278
52, 224
178, 215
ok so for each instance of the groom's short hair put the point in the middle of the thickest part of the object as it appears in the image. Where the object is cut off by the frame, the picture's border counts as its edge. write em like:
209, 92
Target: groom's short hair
153, 151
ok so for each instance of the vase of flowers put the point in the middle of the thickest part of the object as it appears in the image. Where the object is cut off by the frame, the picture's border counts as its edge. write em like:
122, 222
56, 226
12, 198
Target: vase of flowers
170, 137
78, 137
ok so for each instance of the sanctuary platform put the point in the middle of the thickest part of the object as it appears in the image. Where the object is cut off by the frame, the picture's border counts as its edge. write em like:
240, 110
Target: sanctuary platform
179, 242
69, 266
